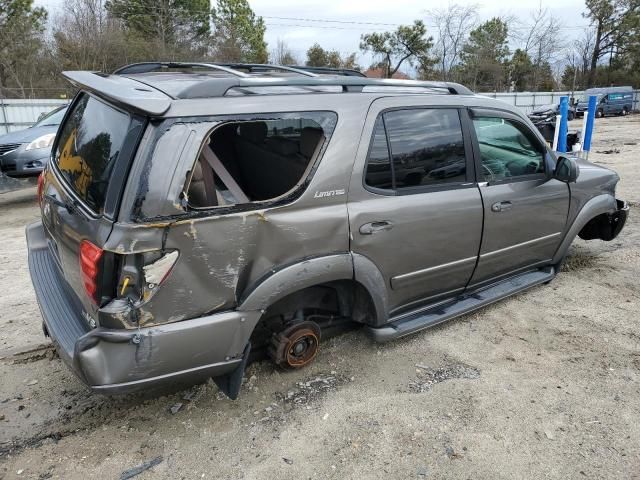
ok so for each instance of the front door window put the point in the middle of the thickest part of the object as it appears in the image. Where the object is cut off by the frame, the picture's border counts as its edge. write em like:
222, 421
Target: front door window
507, 149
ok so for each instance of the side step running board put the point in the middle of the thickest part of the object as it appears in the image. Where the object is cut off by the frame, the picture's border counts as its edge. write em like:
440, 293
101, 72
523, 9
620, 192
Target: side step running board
463, 304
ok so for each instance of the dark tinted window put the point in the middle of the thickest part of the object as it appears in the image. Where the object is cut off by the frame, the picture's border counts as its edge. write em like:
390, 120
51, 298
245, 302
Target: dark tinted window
426, 146
88, 146
508, 149
378, 165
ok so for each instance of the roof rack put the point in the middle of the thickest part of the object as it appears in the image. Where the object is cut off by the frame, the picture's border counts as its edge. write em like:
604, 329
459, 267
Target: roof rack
231, 68
152, 94
347, 80
218, 87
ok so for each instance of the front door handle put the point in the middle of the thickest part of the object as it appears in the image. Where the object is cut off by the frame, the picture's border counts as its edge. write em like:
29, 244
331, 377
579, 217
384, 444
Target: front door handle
501, 206
373, 227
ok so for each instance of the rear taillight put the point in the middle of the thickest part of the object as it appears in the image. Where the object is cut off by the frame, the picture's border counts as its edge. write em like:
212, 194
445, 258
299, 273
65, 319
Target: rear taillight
40, 187
90, 256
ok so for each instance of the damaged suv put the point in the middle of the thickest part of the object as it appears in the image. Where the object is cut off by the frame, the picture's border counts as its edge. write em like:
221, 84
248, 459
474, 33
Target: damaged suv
192, 213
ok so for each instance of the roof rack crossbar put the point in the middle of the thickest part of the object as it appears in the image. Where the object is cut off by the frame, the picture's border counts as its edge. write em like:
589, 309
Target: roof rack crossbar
330, 70
266, 66
146, 67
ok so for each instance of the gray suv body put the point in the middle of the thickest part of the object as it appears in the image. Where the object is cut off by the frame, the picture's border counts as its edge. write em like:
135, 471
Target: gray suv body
190, 217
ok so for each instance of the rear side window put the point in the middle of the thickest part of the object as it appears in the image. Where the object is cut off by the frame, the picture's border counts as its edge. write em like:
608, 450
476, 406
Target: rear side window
88, 147
425, 148
257, 160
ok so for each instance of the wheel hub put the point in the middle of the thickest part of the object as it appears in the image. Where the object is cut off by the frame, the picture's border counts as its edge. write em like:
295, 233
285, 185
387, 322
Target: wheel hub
296, 346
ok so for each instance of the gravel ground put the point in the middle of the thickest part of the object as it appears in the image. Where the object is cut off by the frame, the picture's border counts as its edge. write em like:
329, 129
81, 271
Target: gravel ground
542, 385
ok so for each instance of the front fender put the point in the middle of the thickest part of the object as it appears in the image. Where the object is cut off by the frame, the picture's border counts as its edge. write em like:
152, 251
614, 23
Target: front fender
605, 203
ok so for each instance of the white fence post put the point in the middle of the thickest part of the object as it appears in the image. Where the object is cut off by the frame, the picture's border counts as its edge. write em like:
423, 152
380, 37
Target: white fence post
4, 116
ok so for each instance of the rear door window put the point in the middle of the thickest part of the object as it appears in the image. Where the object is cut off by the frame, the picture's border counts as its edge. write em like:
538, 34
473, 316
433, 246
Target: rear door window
419, 147
88, 146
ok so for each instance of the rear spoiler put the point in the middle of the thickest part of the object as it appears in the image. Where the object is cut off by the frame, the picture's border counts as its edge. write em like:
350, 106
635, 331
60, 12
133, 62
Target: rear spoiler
123, 91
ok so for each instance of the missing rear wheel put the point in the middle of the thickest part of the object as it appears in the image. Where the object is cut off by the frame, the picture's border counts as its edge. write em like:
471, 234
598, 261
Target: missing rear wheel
296, 346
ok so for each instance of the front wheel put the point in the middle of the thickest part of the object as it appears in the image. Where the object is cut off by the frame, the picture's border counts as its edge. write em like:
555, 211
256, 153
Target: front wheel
625, 112
599, 113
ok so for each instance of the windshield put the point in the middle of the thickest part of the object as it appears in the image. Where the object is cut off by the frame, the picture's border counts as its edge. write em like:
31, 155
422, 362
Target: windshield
52, 118
584, 98
88, 145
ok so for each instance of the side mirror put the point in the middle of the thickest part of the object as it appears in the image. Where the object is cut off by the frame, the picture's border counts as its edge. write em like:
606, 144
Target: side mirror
567, 170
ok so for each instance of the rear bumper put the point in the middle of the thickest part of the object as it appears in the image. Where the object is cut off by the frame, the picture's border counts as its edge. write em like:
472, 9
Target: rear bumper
121, 360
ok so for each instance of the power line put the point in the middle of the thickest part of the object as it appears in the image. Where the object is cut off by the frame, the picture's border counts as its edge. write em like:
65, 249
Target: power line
324, 20
134, 9
322, 27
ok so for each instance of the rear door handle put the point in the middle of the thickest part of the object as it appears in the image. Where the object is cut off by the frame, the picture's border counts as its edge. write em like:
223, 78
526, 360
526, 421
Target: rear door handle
501, 206
373, 227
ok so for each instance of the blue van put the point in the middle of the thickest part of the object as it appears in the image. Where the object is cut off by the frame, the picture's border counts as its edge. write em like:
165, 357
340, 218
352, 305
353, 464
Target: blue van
611, 101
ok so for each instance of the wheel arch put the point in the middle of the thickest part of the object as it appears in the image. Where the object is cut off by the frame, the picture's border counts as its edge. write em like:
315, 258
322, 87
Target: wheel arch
601, 204
369, 300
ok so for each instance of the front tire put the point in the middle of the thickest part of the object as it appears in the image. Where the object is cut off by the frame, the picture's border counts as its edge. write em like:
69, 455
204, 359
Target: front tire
599, 113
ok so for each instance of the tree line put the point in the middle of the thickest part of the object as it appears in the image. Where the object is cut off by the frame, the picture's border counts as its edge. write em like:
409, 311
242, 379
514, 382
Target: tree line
499, 54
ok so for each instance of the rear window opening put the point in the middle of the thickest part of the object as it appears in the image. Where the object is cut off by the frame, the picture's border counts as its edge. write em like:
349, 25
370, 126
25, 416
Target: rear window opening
252, 161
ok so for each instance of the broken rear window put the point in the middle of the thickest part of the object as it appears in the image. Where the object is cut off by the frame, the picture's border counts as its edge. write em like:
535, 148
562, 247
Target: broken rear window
257, 160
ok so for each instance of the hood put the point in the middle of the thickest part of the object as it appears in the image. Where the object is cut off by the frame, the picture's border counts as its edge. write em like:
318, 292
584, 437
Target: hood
27, 135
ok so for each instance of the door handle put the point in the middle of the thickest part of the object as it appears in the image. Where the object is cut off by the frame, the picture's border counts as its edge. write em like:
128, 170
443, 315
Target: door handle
373, 227
501, 206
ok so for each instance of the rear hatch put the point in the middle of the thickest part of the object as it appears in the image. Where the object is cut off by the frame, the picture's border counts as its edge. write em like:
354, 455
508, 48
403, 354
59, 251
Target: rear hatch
80, 195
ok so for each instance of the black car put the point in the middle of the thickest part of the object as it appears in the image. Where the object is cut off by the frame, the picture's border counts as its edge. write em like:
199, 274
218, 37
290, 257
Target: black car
546, 113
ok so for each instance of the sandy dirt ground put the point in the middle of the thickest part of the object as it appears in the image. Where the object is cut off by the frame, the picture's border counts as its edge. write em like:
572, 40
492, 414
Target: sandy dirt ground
542, 385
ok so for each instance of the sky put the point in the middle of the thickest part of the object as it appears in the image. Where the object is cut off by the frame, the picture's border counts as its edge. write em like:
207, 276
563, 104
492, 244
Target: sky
338, 24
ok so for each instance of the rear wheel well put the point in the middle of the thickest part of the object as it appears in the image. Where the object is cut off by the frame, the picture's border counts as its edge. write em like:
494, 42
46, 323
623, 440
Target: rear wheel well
335, 306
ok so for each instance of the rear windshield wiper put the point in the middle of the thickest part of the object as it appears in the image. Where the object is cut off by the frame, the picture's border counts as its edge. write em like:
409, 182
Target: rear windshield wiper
69, 207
